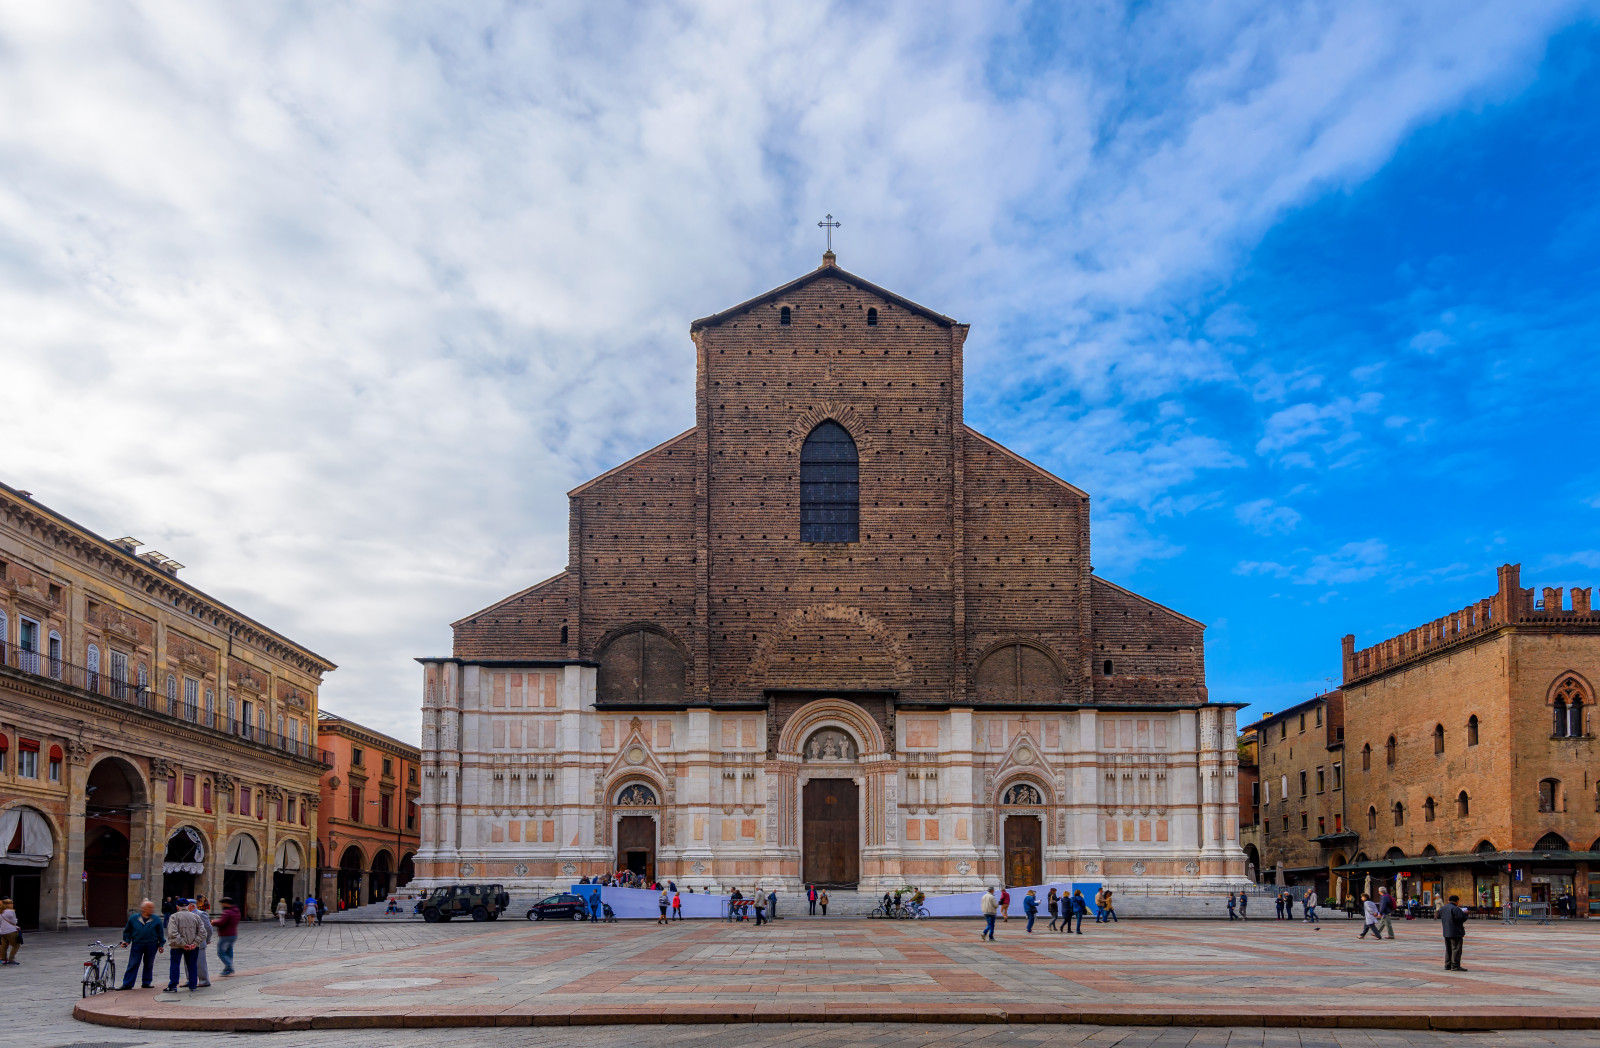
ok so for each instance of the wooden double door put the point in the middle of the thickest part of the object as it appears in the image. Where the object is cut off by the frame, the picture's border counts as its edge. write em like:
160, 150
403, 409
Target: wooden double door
830, 833
636, 845
1024, 853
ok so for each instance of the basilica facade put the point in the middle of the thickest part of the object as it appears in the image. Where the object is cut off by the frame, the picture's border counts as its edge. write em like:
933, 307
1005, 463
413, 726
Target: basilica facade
829, 634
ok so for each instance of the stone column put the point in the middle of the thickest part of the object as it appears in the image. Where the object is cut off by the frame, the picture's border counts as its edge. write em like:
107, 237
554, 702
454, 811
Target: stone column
71, 893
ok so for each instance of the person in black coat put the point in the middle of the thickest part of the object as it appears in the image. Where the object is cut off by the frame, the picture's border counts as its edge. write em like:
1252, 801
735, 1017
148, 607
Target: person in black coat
1452, 921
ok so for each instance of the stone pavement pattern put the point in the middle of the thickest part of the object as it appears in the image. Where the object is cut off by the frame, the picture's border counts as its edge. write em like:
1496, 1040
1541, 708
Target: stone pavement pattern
1211, 973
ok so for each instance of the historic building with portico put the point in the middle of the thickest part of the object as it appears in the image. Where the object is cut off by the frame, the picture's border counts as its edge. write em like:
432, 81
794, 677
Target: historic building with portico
153, 740
828, 634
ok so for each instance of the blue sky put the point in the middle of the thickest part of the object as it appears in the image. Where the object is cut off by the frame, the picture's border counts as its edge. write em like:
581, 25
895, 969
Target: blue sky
340, 299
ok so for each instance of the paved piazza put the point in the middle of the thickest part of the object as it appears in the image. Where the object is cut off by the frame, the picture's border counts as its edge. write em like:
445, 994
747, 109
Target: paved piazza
937, 972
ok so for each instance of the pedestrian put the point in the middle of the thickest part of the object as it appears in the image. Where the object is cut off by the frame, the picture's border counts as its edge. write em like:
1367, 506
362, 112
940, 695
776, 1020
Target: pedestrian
1053, 903
990, 906
1386, 913
1232, 902
186, 934
1278, 902
1100, 906
1005, 903
1452, 920
311, 910
1288, 905
1080, 907
202, 907
735, 912
666, 904
1369, 917
822, 901
1030, 908
761, 908
677, 906
811, 898
1111, 906
297, 910
227, 926
322, 911
282, 911
1310, 903
10, 933
169, 906
594, 906
772, 905
144, 937
1244, 905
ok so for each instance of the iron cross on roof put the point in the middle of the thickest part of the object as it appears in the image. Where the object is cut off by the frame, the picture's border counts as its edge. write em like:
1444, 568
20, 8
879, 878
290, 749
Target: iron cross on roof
830, 225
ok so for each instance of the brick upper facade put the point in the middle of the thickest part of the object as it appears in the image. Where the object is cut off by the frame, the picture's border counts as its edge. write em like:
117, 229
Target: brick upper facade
970, 584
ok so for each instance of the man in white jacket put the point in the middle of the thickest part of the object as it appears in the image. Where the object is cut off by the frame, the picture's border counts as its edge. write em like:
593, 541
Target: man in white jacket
990, 907
187, 934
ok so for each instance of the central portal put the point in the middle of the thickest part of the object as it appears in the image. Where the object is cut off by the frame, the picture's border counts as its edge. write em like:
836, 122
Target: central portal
636, 845
1023, 864
831, 833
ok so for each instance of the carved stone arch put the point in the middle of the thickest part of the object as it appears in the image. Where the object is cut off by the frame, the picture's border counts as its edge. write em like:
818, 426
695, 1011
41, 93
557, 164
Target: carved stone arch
620, 783
1018, 669
130, 771
829, 411
853, 638
609, 808
1031, 778
830, 713
1567, 683
641, 662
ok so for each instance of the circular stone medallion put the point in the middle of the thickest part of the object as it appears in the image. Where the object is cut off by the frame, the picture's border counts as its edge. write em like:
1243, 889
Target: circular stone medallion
1024, 755
636, 756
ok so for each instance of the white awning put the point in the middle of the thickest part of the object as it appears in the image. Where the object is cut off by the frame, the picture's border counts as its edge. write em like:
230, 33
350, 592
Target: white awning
37, 843
288, 856
243, 854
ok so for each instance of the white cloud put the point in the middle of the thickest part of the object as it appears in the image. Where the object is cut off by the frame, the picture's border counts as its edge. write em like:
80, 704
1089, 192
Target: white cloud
1267, 517
333, 303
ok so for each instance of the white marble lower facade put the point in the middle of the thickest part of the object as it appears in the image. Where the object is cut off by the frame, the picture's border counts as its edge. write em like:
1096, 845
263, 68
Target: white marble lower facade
527, 784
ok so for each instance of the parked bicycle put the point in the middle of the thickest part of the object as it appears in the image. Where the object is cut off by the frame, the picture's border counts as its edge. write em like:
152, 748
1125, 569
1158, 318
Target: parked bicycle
100, 970
906, 911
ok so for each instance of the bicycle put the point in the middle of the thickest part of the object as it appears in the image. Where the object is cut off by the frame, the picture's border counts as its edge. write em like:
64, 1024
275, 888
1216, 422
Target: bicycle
100, 970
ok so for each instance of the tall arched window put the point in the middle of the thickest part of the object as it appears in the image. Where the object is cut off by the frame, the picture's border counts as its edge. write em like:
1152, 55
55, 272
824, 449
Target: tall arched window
55, 654
830, 486
1388, 751
784, 316
1399, 814
1463, 805
1372, 818
1567, 709
1366, 756
1438, 738
1429, 810
94, 668
1472, 730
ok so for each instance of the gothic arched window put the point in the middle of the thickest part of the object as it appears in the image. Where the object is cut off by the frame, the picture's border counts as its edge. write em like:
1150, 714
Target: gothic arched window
830, 486
1567, 707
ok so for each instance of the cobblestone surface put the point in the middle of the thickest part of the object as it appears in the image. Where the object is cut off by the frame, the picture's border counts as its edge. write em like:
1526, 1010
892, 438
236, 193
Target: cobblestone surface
1188, 968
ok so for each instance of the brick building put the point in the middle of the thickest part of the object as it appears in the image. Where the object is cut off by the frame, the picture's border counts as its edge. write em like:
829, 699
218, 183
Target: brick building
830, 633
153, 740
1473, 763
1249, 778
1304, 833
369, 813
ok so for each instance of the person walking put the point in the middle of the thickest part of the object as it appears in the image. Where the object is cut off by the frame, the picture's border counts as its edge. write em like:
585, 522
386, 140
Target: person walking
1369, 915
145, 937
202, 907
677, 907
666, 904
1030, 908
1053, 903
186, 934
594, 906
1278, 901
761, 908
282, 911
297, 909
311, 910
1310, 902
990, 907
1386, 913
1005, 904
1080, 907
1244, 905
1100, 906
1232, 902
227, 926
822, 901
169, 906
1111, 906
772, 905
10, 933
811, 898
1452, 921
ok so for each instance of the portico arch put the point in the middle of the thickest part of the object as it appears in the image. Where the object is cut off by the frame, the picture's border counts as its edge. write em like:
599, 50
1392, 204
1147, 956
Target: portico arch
116, 838
633, 813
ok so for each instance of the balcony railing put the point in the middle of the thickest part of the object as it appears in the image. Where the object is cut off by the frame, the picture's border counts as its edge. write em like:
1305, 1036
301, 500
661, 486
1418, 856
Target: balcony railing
100, 683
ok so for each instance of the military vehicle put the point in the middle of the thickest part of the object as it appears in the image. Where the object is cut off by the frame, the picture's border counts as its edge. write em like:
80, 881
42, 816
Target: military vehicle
481, 902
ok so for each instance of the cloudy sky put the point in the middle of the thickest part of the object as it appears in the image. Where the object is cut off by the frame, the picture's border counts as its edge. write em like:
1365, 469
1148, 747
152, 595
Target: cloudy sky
333, 302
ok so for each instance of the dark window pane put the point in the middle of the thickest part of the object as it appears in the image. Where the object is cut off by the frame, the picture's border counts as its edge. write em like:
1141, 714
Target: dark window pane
830, 488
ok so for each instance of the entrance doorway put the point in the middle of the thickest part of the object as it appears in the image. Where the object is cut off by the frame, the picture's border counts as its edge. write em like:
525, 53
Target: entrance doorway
350, 878
378, 886
636, 845
21, 885
183, 862
27, 851
1024, 855
105, 867
831, 833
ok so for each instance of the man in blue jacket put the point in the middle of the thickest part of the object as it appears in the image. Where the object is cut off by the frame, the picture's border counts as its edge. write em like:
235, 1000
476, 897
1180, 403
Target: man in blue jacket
145, 937
1030, 907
